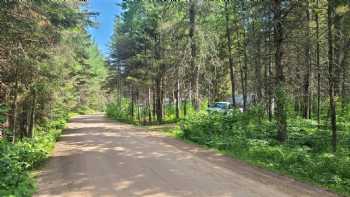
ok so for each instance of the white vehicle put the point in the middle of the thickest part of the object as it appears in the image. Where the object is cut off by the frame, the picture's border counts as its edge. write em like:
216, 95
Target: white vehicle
221, 107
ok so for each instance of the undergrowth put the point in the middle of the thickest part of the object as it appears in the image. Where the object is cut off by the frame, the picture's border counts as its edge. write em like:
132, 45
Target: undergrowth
249, 136
17, 160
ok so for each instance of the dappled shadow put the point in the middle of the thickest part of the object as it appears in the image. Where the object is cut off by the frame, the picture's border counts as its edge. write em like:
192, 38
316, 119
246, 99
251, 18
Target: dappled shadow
91, 119
96, 157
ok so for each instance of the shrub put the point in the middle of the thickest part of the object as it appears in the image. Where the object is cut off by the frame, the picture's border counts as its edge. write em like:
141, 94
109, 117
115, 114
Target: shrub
249, 136
16, 160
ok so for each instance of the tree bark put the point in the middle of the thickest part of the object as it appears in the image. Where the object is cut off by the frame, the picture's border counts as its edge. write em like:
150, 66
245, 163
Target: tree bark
318, 64
149, 106
245, 76
330, 15
281, 115
230, 58
132, 103
195, 83
32, 115
154, 96
14, 108
177, 99
345, 86
258, 81
159, 111
306, 84
138, 106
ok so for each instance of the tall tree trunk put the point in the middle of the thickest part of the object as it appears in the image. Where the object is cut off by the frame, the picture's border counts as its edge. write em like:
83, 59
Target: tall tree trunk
162, 96
268, 88
159, 111
154, 103
138, 106
242, 72
14, 108
318, 64
338, 52
268, 81
177, 99
185, 107
330, 15
245, 76
281, 115
195, 83
345, 87
132, 103
258, 81
230, 58
149, 106
32, 115
306, 84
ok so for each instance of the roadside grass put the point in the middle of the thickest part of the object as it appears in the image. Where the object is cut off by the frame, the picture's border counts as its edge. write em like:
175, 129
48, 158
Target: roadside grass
17, 161
316, 167
306, 155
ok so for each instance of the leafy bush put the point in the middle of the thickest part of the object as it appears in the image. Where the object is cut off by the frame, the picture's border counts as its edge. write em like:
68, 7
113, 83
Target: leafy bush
16, 160
121, 111
250, 136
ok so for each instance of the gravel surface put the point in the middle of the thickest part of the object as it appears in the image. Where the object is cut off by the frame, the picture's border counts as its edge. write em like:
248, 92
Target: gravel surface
98, 157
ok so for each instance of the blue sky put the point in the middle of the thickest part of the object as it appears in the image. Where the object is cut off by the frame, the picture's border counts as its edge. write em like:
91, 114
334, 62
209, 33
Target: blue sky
107, 9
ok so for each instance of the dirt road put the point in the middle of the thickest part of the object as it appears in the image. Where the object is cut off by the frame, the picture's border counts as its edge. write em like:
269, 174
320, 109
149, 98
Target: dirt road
97, 157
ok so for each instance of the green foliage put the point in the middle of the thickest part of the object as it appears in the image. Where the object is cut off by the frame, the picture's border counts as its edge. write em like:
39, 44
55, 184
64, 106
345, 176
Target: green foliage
249, 136
119, 111
16, 160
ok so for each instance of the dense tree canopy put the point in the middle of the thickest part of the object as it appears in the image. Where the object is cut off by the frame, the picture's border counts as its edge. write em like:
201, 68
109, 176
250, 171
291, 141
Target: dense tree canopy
283, 63
49, 65
277, 54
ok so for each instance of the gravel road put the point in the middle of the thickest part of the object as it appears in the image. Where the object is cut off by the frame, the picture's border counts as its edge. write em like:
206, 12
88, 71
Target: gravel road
99, 157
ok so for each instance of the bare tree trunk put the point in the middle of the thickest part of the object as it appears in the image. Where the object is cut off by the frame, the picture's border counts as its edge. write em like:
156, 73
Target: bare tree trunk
185, 107
159, 111
177, 99
243, 71
14, 108
132, 103
268, 83
192, 16
268, 90
318, 65
138, 106
149, 106
281, 115
330, 15
154, 96
32, 115
258, 82
230, 58
306, 85
345, 86
162, 97
245, 77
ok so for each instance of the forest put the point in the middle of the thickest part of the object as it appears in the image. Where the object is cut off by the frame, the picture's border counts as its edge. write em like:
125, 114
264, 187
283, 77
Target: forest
284, 65
50, 68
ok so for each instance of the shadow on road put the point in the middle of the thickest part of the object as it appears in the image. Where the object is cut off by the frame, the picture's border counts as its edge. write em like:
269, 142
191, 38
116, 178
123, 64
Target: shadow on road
97, 157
